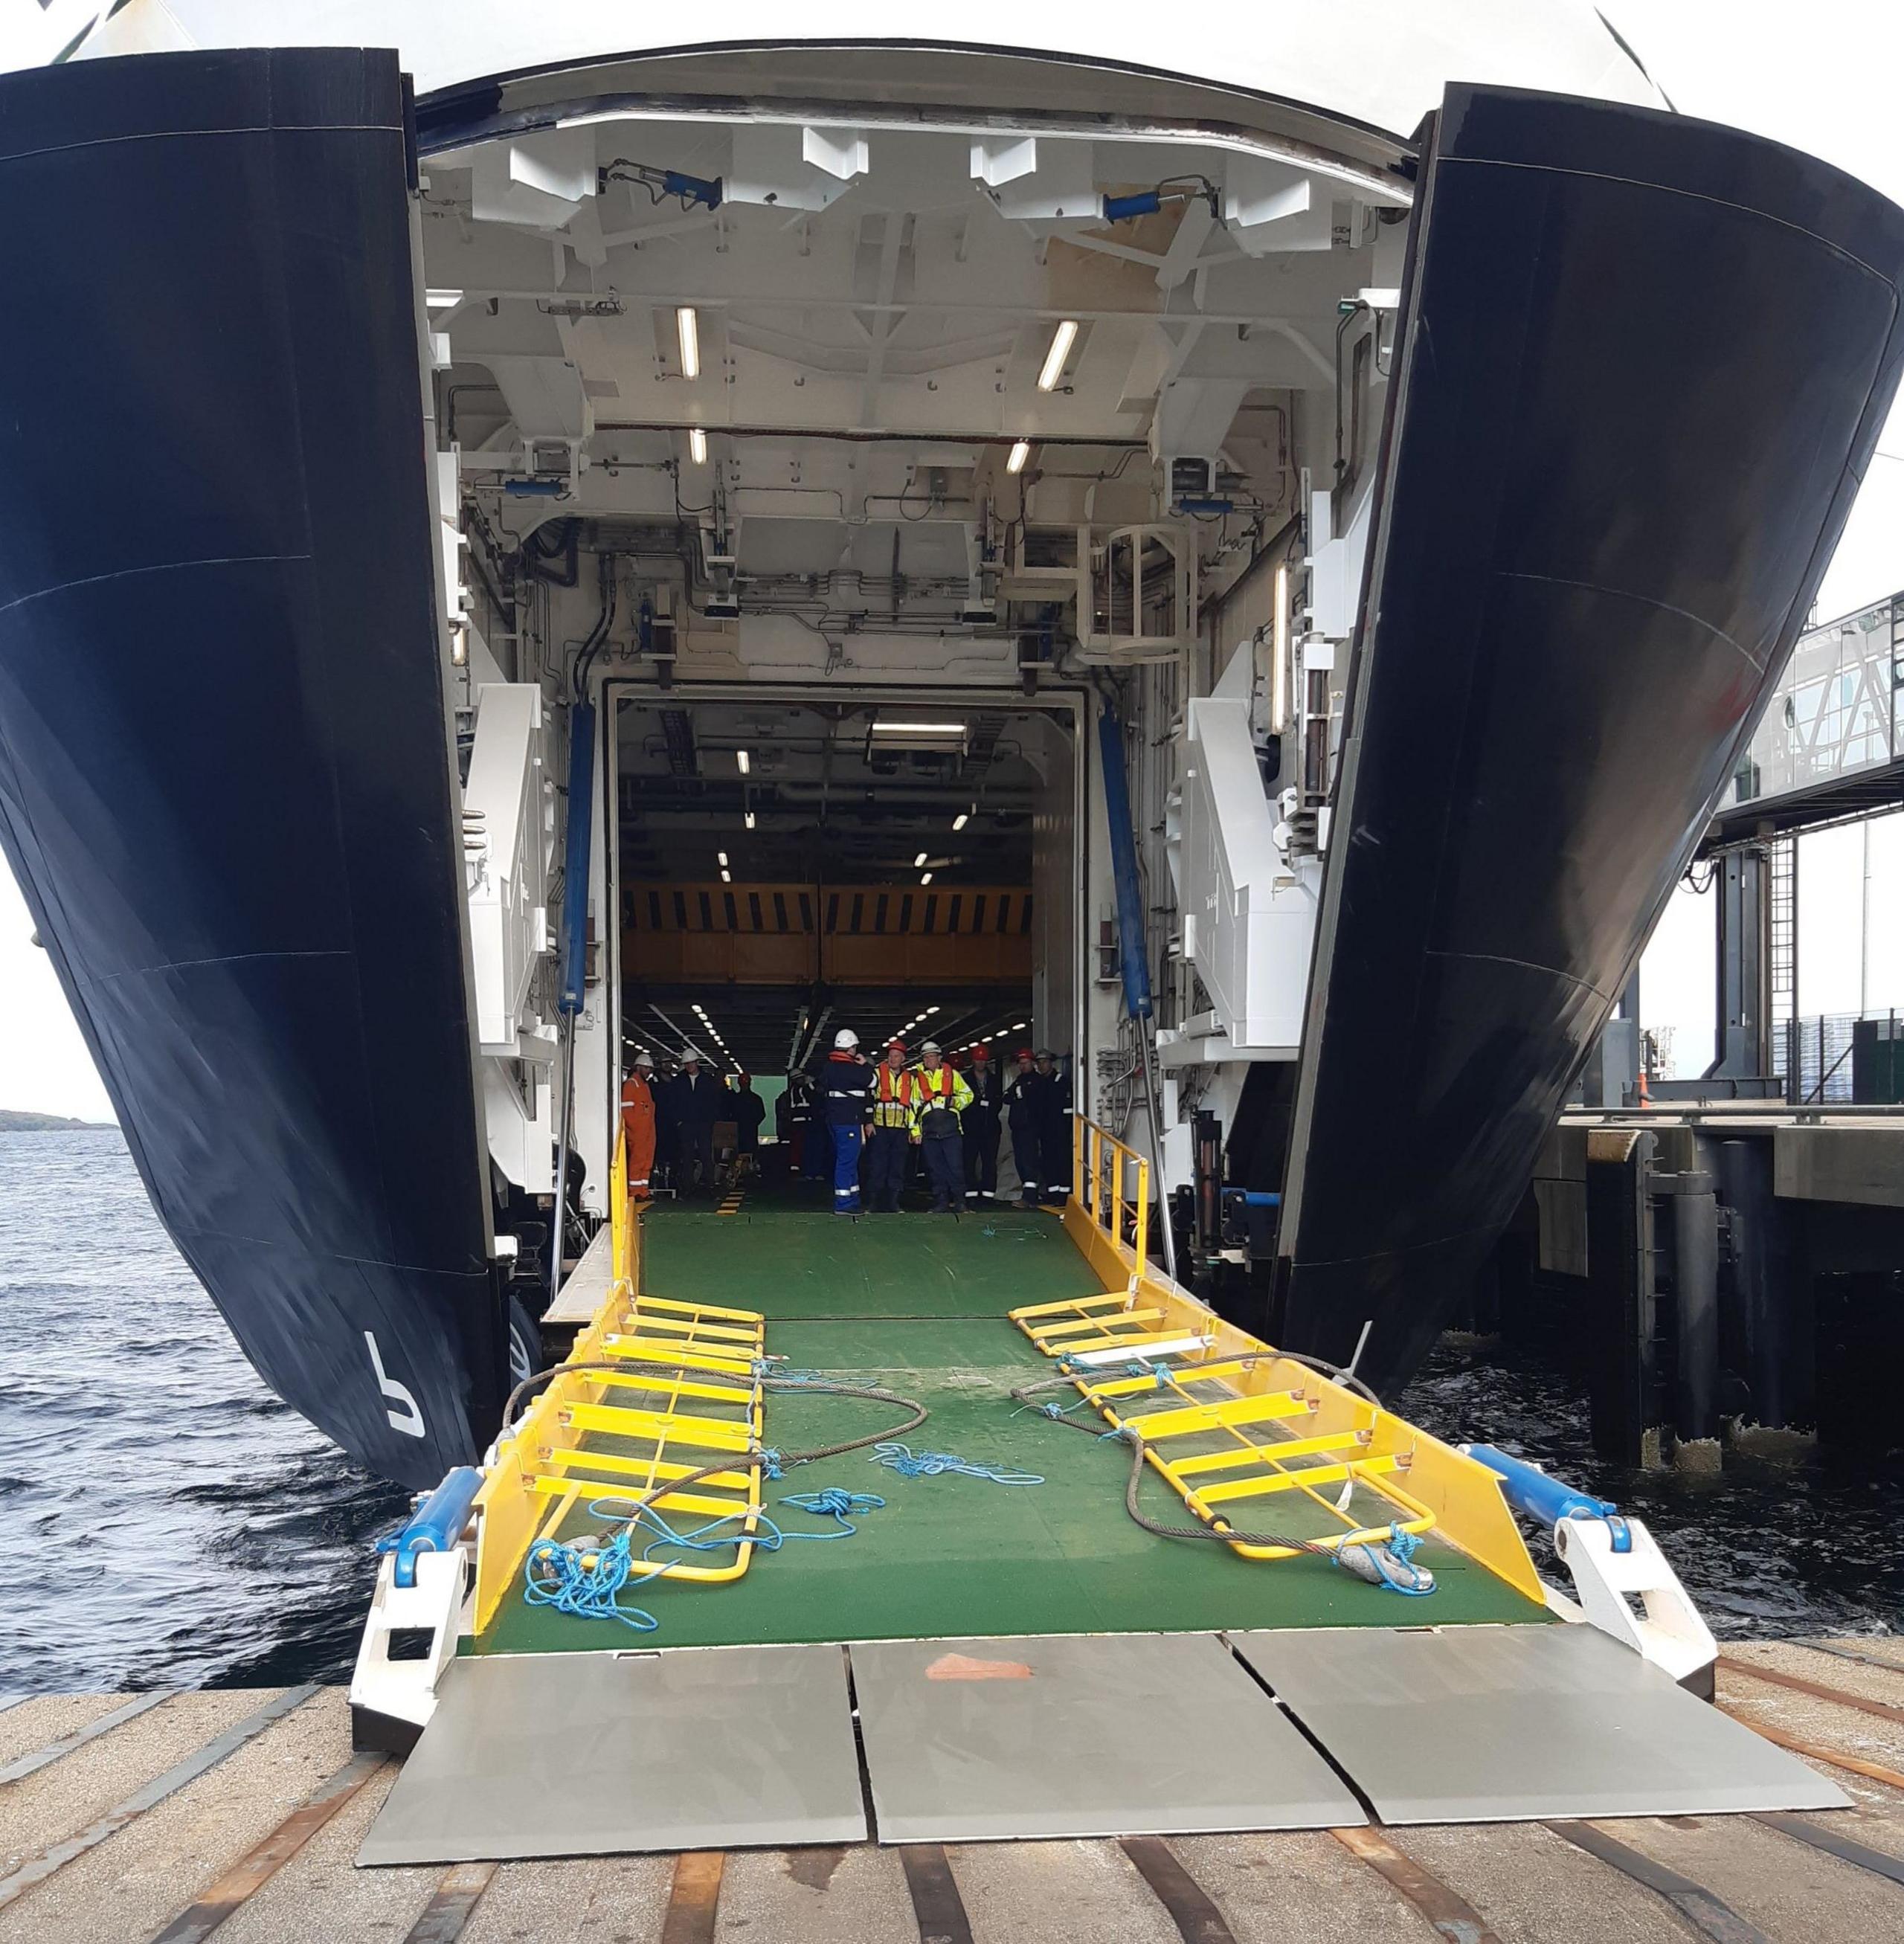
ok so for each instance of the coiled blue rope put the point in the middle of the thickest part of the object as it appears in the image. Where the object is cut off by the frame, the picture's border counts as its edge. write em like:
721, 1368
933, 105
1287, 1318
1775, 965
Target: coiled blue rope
585, 1580
911, 1464
834, 1502
555, 1575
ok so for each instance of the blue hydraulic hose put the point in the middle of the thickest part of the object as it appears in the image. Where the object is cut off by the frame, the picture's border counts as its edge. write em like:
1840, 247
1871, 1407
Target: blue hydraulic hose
1132, 956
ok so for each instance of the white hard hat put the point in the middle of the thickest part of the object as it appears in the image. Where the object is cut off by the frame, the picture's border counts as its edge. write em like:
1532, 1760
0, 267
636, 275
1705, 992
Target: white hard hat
930, 1046
644, 1058
688, 1052
845, 1040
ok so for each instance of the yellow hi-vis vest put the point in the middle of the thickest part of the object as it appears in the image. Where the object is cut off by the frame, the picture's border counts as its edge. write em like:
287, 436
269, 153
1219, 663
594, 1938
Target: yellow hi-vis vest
892, 1097
938, 1100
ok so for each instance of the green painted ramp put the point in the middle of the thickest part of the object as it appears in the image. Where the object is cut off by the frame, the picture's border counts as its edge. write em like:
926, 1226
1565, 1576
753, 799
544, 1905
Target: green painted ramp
917, 1304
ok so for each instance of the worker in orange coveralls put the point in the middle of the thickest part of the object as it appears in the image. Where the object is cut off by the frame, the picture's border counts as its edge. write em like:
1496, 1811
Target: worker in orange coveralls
637, 1123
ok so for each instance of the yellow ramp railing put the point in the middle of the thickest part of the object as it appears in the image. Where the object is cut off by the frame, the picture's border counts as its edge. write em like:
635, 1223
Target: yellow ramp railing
607, 1434
1225, 1419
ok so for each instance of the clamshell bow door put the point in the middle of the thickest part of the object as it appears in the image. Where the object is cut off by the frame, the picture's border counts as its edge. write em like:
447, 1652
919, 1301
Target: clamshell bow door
224, 777
1641, 364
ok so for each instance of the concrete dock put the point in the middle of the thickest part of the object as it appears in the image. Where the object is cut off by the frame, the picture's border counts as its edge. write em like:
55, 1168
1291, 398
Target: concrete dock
125, 1819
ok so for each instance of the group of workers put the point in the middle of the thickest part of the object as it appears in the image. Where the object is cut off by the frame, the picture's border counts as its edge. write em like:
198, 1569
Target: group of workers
862, 1121
858, 1124
669, 1121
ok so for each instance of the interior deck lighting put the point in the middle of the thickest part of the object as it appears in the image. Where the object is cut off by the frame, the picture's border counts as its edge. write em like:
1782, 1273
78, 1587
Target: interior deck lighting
963, 817
919, 728
720, 858
697, 445
926, 879
1020, 452
740, 761
749, 819
918, 860
688, 327
1062, 339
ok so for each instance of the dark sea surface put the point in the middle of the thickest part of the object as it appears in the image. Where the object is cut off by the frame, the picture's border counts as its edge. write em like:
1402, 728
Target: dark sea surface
169, 1523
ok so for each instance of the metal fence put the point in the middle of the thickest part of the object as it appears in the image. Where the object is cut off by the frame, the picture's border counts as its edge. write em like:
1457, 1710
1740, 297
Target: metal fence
1841, 1059
1838, 709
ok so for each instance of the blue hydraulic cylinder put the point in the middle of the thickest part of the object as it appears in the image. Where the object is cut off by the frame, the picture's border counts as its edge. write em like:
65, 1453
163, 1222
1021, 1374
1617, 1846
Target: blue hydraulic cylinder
1133, 956
436, 1524
536, 489
575, 861
1257, 1198
692, 189
1121, 208
1533, 1493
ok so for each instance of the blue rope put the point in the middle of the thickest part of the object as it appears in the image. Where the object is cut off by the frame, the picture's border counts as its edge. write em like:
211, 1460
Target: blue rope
910, 1464
1403, 1547
555, 1575
834, 1502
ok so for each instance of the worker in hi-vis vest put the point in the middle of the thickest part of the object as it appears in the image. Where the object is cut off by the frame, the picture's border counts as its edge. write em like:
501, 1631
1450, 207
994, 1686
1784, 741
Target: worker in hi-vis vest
891, 1130
845, 1086
939, 1096
637, 1123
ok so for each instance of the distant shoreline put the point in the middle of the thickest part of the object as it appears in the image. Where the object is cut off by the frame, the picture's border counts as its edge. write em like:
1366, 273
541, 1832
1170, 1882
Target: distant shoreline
14, 1121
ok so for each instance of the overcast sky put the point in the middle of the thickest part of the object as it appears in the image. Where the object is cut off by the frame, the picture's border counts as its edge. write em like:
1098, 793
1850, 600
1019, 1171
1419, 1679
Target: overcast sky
1822, 77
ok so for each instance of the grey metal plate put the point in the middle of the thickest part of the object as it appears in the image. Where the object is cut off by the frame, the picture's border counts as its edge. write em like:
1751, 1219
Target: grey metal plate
569, 1754
1513, 1723
1099, 1736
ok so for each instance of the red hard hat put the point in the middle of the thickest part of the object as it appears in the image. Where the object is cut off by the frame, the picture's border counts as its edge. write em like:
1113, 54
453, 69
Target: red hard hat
896, 1046
1025, 1052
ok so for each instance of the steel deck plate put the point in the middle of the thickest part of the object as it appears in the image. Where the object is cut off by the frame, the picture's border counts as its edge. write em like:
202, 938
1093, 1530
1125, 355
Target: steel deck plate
596, 1754
1498, 1724
1100, 1735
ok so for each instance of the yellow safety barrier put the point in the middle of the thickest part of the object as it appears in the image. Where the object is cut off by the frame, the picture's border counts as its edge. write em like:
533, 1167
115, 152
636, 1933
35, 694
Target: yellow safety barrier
623, 1223
1142, 1316
1199, 1433
617, 1435
1102, 1166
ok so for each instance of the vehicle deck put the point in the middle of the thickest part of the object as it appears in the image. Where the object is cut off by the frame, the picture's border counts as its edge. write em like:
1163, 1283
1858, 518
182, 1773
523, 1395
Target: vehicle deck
918, 1303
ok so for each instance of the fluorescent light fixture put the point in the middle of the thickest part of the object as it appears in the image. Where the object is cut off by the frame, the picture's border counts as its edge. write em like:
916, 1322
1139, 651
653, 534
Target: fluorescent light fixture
1022, 1026
740, 761
919, 728
963, 817
1020, 452
688, 326
918, 860
697, 445
1279, 662
720, 858
926, 879
750, 820
1062, 339
726, 877
930, 1010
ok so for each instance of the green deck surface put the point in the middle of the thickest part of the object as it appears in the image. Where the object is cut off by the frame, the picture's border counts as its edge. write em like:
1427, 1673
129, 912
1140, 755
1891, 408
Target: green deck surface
916, 1303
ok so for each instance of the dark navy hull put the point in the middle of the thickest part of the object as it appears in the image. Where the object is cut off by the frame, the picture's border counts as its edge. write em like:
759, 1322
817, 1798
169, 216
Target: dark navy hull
224, 781
1642, 363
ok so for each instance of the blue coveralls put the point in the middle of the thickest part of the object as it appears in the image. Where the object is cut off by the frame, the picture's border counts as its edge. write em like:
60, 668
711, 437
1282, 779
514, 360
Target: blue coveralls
848, 1080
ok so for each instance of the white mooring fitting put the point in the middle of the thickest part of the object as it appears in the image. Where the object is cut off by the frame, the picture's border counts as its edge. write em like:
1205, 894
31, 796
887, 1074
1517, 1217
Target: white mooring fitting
405, 1690
1667, 1631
